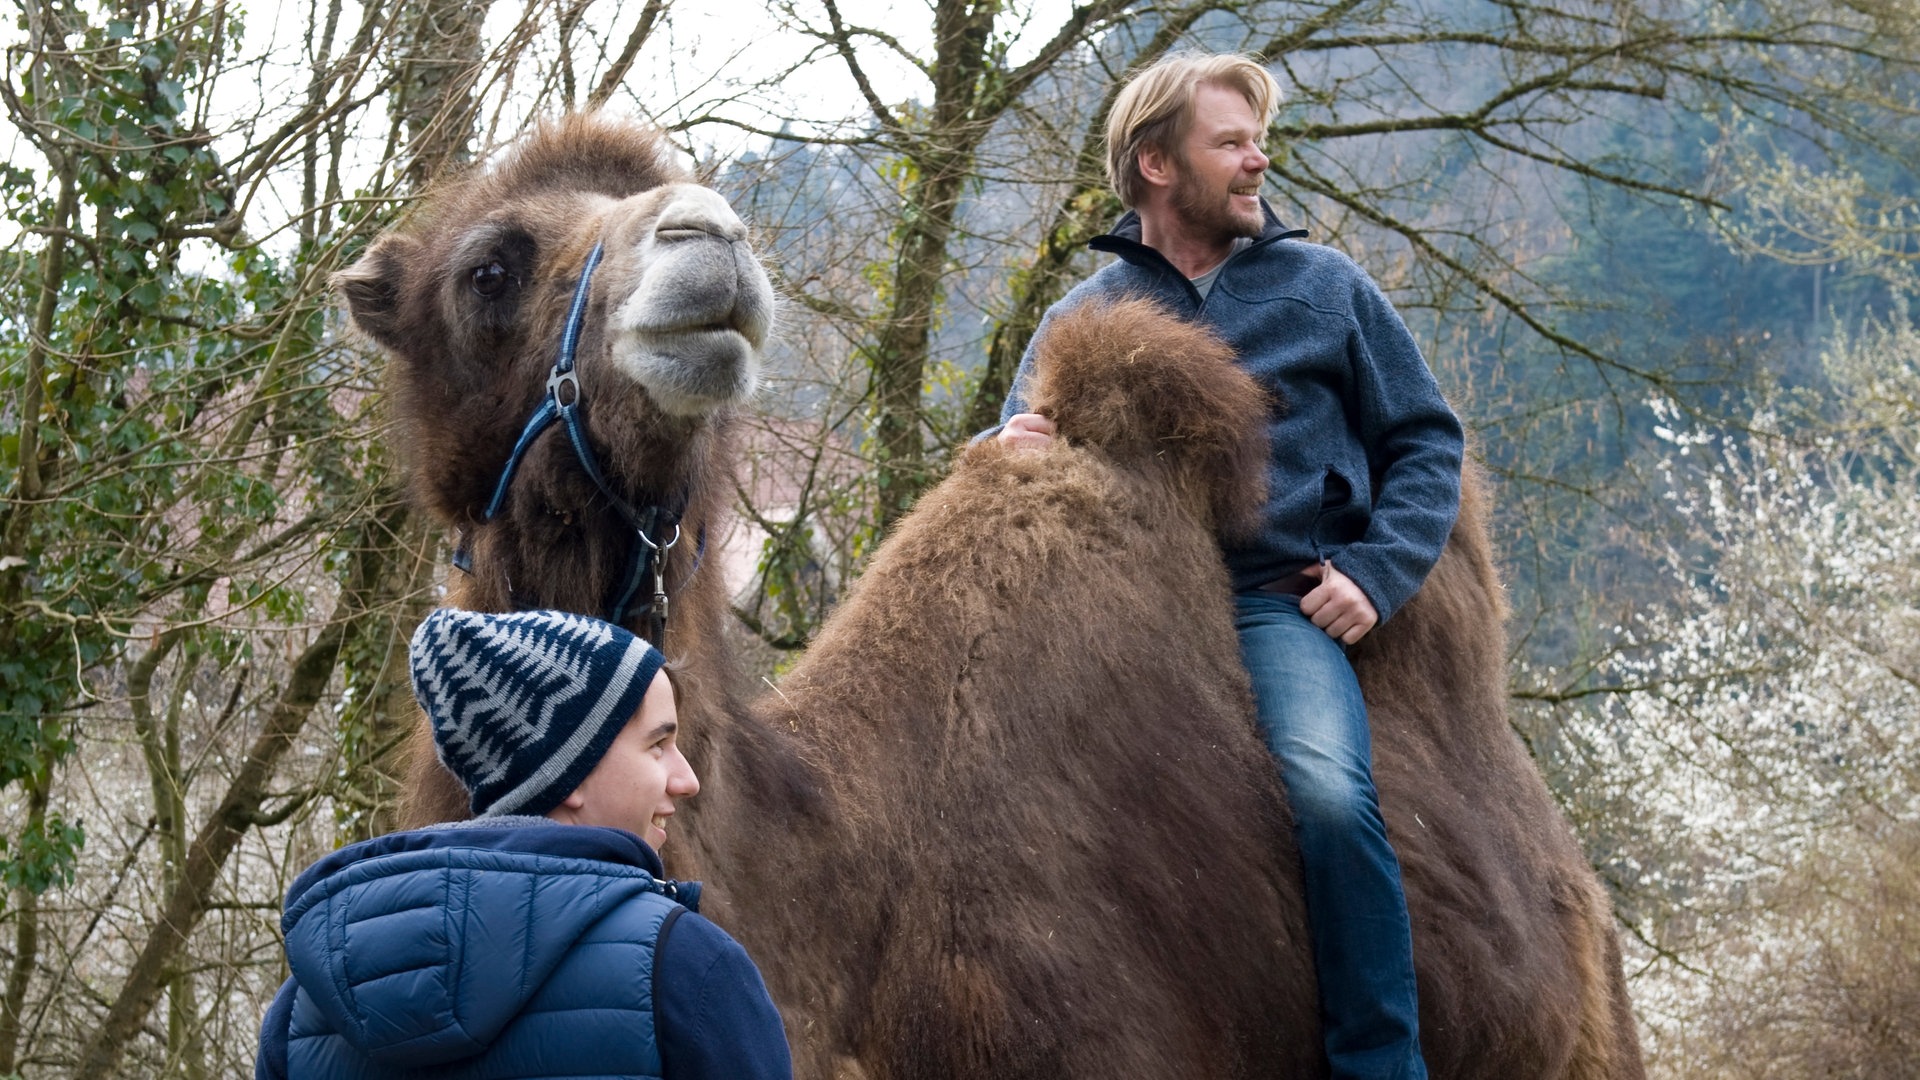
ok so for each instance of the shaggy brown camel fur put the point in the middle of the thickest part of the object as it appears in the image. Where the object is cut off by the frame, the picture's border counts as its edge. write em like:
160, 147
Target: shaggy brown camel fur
1008, 816
469, 297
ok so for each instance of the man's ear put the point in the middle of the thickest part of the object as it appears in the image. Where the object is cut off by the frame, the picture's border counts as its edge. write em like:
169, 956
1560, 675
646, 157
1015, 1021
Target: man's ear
1156, 165
574, 801
373, 287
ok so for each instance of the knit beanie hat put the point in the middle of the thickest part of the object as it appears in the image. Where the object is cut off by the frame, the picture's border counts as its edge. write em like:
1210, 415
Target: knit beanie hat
523, 706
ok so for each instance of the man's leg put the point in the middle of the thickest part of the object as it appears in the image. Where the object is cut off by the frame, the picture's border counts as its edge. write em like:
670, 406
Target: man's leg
1314, 721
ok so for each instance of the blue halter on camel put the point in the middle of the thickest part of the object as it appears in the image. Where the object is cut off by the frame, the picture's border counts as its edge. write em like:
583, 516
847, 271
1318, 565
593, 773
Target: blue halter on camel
564, 402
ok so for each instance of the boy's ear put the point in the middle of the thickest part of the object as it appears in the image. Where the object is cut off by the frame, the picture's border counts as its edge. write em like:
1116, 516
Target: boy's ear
567, 813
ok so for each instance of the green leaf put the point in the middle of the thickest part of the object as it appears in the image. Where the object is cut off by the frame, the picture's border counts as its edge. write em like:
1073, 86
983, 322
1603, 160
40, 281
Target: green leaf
172, 96
44, 857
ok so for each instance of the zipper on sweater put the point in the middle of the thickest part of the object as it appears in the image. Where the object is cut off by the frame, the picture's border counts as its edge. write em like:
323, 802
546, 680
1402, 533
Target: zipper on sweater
1220, 274
1114, 244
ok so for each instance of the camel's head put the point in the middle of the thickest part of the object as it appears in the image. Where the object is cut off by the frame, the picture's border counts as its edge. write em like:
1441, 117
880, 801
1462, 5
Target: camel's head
471, 294
1152, 390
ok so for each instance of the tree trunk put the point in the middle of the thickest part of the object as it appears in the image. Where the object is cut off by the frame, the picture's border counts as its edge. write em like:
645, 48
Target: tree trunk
943, 159
439, 62
18, 513
26, 935
167, 934
387, 712
16, 520
900, 355
240, 808
160, 745
1082, 216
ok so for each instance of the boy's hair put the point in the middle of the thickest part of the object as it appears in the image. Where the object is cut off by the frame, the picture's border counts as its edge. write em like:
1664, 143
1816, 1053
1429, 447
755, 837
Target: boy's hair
1156, 108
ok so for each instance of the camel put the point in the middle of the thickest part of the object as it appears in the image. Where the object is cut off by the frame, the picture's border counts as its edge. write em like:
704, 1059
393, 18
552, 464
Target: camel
1008, 815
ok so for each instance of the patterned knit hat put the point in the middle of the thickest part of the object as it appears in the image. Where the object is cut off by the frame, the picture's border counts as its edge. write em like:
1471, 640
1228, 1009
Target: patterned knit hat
524, 706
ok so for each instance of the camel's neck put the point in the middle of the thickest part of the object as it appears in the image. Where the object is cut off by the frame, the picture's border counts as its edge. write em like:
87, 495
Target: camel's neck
778, 851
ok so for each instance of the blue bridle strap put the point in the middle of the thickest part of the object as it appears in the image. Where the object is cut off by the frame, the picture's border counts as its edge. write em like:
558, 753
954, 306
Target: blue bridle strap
544, 415
563, 403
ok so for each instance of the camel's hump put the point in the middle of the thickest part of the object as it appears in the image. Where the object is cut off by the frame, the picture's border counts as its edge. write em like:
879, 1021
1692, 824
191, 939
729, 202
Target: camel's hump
1135, 380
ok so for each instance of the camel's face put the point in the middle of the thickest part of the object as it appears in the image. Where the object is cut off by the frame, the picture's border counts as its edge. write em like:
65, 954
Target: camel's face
471, 299
681, 307
688, 306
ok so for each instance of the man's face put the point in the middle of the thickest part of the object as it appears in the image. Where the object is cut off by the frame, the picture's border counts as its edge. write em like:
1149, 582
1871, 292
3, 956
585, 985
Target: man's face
1218, 169
634, 786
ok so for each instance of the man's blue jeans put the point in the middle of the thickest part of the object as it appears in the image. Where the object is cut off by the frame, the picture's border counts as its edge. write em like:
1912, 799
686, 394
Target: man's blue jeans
1314, 721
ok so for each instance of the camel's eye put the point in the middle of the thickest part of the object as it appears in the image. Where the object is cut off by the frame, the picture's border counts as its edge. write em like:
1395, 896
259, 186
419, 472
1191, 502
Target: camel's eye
490, 280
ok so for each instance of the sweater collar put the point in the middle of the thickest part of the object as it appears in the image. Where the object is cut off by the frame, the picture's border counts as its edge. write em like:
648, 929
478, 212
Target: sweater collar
1124, 238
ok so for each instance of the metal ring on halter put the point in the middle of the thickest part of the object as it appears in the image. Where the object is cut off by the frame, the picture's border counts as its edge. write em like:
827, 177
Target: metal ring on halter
556, 379
661, 548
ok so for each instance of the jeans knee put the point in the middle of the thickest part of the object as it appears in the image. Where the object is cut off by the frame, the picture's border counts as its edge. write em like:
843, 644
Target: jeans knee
1332, 798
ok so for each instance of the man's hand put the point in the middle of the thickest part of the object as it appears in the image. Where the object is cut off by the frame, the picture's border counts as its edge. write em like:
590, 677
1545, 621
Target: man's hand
1026, 431
1337, 606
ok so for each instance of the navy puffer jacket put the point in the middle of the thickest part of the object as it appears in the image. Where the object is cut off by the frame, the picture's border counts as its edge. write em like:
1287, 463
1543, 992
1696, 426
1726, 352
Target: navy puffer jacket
515, 948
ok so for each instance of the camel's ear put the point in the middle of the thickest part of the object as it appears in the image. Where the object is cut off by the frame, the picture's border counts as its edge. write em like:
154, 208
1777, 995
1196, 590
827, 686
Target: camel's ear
373, 287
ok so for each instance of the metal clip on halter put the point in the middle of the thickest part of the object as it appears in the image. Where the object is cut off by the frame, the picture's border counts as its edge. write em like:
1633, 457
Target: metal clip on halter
657, 611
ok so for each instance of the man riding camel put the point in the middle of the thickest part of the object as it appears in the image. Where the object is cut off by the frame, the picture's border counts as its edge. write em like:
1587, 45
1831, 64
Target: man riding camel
1364, 482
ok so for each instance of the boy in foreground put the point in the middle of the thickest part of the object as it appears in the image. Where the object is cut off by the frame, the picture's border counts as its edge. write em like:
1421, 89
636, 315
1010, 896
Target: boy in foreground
536, 940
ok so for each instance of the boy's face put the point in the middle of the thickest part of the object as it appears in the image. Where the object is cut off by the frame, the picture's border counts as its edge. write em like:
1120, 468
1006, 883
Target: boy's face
643, 772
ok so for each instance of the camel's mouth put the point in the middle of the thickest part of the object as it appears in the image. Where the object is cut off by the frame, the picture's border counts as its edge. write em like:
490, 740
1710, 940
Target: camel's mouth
692, 331
691, 372
723, 299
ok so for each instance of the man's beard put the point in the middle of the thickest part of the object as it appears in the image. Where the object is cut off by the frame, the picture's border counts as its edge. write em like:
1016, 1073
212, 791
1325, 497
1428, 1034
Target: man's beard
1210, 214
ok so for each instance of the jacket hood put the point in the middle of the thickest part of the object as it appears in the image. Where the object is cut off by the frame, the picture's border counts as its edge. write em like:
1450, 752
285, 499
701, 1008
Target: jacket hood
420, 947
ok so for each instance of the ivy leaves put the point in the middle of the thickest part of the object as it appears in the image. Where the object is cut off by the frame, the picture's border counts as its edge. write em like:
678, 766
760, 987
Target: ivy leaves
174, 419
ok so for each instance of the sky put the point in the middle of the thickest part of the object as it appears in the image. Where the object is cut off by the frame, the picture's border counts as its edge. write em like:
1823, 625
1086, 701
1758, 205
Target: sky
700, 56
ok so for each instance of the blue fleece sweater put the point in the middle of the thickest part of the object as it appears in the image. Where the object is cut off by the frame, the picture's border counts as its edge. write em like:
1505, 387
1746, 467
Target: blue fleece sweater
1365, 467
517, 947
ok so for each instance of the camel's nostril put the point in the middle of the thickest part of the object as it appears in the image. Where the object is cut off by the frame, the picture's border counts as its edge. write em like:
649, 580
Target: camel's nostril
690, 220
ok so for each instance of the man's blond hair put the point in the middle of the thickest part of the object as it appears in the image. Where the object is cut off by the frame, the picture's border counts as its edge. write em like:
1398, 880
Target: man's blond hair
1155, 108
